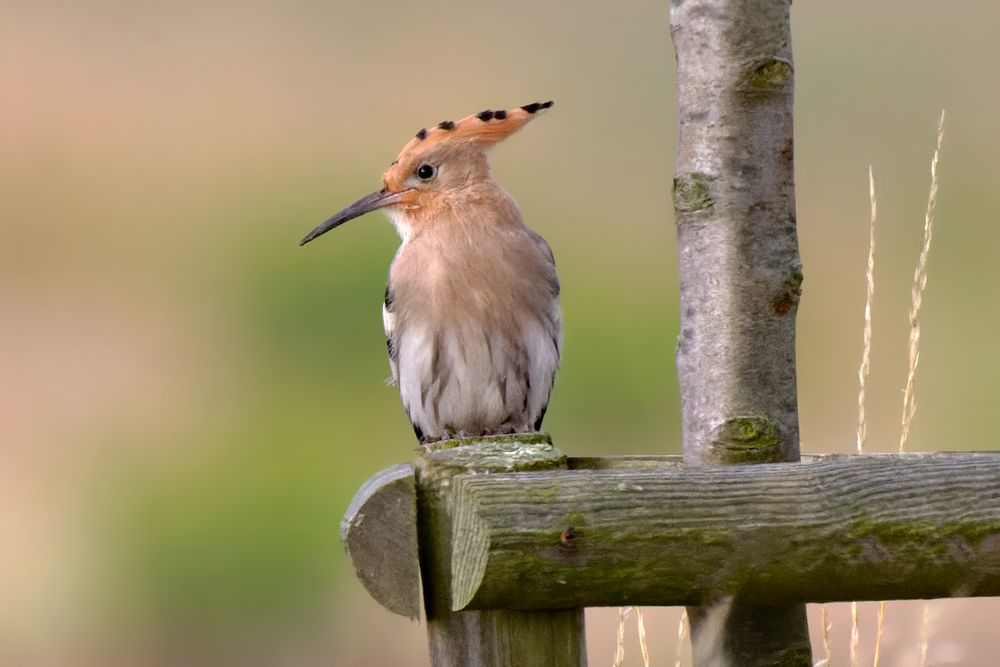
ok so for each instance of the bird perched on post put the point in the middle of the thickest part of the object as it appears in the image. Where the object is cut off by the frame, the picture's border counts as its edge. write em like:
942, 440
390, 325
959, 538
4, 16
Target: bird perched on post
471, 311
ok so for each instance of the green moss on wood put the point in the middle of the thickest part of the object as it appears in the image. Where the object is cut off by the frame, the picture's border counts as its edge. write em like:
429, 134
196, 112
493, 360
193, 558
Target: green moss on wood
769, 74
691, 192
927, 534
747, 439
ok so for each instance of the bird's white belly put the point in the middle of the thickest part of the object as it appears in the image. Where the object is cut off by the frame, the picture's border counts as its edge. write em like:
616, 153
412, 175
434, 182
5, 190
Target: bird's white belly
458, 380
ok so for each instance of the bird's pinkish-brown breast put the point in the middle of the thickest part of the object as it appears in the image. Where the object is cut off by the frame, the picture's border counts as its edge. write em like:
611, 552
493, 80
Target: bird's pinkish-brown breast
471, 311
474, 324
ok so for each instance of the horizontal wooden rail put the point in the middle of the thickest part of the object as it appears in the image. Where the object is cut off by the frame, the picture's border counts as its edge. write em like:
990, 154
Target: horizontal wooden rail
648, 531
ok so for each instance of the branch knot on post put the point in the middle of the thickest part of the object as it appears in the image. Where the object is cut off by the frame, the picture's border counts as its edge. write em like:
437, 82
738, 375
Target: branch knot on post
768, 75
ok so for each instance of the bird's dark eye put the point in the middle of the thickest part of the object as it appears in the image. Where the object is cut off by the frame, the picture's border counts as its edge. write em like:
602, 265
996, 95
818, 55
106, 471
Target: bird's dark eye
425, 172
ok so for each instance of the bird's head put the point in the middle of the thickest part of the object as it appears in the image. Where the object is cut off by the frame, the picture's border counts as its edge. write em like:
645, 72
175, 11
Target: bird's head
436, 166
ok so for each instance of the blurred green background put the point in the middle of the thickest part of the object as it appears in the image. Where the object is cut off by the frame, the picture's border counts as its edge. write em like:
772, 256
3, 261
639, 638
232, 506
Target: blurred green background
188, 399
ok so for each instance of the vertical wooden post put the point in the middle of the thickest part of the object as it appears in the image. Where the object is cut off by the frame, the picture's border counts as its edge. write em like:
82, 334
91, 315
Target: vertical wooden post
740, 273
499, 638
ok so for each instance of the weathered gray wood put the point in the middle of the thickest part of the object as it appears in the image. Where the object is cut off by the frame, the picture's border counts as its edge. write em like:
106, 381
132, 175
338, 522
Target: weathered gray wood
642, 532
379, 532
740, 273
485, 638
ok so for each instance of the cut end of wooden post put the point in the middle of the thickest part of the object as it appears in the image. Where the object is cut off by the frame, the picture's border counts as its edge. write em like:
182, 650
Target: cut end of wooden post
379, 531
469, 554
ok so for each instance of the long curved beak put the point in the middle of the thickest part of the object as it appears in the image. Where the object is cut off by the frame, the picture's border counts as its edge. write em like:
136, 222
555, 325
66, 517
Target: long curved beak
364, 205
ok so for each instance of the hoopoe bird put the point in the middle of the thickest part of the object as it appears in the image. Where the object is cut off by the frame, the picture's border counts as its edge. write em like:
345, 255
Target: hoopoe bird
471, 312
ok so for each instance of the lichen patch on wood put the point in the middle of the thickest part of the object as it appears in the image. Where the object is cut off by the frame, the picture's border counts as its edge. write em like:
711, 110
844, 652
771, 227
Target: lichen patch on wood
519, 452
747, 439
691, 192
769, 74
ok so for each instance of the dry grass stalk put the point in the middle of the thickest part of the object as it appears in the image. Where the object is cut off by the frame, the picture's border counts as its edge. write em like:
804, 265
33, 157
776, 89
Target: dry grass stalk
643, 646
925, 630
863, 372
681, 637
865, 368
917, 295
623, 613
878, 632
824, 618
855, 634
866, 350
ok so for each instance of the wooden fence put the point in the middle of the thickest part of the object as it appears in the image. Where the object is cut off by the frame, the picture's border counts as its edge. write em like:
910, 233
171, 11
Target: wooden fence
504, 541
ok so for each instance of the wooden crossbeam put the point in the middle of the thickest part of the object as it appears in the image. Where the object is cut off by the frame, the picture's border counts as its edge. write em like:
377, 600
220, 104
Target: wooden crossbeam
652, 532
612, 531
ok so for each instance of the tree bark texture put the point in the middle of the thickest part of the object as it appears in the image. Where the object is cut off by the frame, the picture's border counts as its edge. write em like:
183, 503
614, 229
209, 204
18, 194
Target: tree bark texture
734, 201
740, 273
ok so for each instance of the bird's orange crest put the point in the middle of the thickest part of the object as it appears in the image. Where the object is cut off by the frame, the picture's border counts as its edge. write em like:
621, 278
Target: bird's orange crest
477, 132
433, 166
